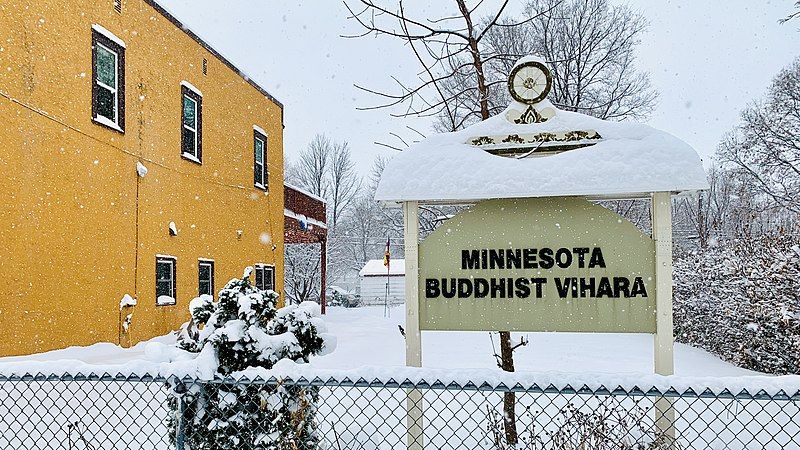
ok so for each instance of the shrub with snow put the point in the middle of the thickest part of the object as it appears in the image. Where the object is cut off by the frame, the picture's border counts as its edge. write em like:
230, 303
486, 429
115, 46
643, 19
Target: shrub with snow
244, 329
741, 301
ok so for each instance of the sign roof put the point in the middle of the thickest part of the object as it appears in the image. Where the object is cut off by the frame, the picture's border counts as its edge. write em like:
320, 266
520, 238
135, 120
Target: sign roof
619, 160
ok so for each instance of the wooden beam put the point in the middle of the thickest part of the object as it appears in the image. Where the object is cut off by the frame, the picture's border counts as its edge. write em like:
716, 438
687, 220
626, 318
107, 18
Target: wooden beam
662, 235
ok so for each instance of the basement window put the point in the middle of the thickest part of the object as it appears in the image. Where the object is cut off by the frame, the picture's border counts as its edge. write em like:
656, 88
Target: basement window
265, 277
205, 277
259, 160
192, 123
166, 289
108, 80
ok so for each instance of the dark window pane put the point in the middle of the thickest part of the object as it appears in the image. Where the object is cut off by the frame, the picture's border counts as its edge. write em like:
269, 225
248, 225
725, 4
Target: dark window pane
188, 141
105, 103
259, 151
258, 174
205, 288
204, 272
189, 112
106, 67
260, 277
164, 288
269, 278
164, 271
164, 279
205, 276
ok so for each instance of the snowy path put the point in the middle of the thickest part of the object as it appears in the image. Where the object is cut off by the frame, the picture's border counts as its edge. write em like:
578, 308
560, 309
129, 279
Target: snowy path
365, 337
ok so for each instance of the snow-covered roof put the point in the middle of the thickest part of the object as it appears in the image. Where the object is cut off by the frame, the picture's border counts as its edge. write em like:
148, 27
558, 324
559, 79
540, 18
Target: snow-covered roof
626, 159
303, 191
375, 267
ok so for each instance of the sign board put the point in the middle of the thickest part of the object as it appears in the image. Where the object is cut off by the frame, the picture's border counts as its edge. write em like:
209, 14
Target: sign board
537, 264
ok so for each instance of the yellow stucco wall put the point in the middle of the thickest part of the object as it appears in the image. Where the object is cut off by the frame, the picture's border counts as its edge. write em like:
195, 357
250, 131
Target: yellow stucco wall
71, 197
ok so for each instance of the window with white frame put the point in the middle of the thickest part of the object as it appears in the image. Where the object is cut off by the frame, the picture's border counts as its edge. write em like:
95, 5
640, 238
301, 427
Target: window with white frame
259, 160
265, 277
205, 277
166, 289
108, 81
191, 125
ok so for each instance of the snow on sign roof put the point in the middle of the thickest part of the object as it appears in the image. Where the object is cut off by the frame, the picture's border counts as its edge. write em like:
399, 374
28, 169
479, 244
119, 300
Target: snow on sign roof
612, 159
375, 268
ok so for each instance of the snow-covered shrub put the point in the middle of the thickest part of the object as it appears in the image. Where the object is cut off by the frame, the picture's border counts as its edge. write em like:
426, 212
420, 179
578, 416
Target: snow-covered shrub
741, 301
244, 329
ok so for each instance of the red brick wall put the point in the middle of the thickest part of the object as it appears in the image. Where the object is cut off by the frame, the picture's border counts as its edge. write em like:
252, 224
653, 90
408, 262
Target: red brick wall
292, 234
301, 203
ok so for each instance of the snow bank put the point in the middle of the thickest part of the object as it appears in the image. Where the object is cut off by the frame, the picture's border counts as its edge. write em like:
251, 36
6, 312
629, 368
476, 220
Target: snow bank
630, 159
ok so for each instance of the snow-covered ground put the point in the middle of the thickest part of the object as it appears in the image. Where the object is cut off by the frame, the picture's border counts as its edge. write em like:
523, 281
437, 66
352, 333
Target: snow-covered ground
367, 338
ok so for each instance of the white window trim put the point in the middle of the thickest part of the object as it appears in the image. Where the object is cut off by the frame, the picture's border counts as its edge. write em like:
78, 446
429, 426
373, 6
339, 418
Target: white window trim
102, 120
192, 156
161, 259
210, 263
264, 266
191, 87
259, 129
111, 36
263, 161
114, 91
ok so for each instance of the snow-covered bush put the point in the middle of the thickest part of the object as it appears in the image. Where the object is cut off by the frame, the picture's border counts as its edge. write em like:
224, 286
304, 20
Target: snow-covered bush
741, 301
244, 329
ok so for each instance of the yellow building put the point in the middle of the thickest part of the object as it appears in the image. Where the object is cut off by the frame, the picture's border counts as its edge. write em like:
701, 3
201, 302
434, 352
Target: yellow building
93, 94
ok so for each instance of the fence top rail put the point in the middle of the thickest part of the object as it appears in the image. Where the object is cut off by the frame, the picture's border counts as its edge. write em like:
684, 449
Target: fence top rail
735, 388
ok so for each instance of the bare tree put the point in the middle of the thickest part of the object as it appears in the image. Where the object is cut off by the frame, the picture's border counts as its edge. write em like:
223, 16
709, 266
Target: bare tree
765, 148
303, 277
311, 169
793, 15
343, 181
325, 168
448, 49
590, 47
445, 47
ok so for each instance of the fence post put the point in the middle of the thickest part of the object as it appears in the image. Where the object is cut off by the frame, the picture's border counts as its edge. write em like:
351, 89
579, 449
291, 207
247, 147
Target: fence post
414, 433
180, 428
663, 345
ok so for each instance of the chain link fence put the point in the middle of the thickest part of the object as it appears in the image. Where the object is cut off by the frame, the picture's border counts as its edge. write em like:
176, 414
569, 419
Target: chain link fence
132, 412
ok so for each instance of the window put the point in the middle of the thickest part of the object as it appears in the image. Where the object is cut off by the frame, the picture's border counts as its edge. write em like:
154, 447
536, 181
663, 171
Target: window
166, 291
205, 277
108, 85
192, 124
265, 277
259, 160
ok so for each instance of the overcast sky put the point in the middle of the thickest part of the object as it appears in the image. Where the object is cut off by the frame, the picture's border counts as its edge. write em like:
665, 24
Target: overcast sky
707, 59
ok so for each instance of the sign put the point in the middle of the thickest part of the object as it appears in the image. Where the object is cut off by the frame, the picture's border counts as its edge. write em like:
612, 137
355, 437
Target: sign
539, 264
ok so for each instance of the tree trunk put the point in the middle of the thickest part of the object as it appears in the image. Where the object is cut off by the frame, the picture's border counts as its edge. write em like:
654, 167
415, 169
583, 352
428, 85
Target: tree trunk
509, 400
506, 350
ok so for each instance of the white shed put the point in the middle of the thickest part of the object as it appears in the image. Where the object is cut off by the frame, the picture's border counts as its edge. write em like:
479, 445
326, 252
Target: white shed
374, 276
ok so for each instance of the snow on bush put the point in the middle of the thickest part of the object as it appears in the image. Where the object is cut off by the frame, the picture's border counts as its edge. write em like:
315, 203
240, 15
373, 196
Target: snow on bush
244, 329
741, 301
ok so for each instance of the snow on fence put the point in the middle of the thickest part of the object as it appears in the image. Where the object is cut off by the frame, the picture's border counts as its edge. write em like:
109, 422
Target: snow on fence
123, 412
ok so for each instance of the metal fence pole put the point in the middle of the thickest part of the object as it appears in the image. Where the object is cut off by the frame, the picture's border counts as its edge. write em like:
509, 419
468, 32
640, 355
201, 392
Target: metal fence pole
180, 427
